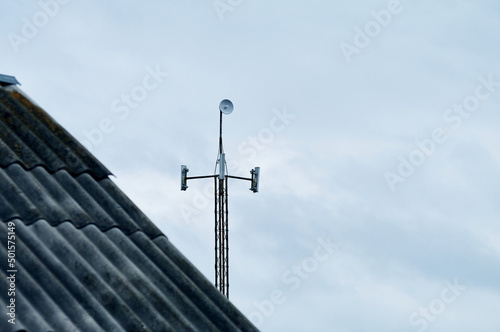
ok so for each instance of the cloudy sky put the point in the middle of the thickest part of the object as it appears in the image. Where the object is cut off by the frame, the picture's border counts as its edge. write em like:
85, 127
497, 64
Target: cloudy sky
376, 125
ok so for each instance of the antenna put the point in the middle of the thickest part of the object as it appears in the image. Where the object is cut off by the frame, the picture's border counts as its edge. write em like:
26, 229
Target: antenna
255, 179
184, 172
226, 106
220, 204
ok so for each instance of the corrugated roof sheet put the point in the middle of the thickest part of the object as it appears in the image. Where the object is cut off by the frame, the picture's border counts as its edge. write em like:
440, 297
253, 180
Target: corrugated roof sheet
87, 258
29, 136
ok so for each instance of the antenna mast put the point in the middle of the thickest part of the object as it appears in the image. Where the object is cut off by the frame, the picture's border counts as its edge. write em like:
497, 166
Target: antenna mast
221, 205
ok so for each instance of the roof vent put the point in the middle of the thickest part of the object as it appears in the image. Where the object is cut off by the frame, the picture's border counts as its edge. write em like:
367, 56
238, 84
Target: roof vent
6, 80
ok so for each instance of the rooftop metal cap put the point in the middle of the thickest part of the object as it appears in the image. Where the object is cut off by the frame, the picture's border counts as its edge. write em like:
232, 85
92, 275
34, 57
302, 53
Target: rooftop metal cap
6, 80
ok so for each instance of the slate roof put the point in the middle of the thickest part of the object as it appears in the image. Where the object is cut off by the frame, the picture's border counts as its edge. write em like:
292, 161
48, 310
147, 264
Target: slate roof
87, 258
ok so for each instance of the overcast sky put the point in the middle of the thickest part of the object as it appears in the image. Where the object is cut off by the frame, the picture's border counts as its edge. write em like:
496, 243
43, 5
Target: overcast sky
376, 125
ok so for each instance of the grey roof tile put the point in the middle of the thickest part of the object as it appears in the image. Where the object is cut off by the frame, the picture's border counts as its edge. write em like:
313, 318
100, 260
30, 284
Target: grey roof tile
61, 197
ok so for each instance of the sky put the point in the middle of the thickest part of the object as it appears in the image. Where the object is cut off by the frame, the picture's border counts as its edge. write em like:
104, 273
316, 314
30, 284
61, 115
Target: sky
376, 125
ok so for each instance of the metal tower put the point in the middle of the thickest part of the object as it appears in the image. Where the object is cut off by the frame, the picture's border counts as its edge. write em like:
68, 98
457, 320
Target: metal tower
221, 204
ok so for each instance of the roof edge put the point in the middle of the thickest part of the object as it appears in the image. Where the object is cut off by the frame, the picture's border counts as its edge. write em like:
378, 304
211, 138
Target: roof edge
14, 88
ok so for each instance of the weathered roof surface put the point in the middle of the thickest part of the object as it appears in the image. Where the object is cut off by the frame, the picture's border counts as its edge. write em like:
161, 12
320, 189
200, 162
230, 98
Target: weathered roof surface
87, 258
30, 137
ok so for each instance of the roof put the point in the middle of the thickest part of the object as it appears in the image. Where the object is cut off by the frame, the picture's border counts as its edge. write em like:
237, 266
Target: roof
86, 258
8, 80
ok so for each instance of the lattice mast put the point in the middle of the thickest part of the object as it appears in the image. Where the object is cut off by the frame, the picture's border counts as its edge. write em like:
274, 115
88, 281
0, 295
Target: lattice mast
221, 228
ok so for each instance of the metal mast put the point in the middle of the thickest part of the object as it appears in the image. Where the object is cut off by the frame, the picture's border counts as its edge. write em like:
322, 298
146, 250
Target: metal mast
221, 222
221, 205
